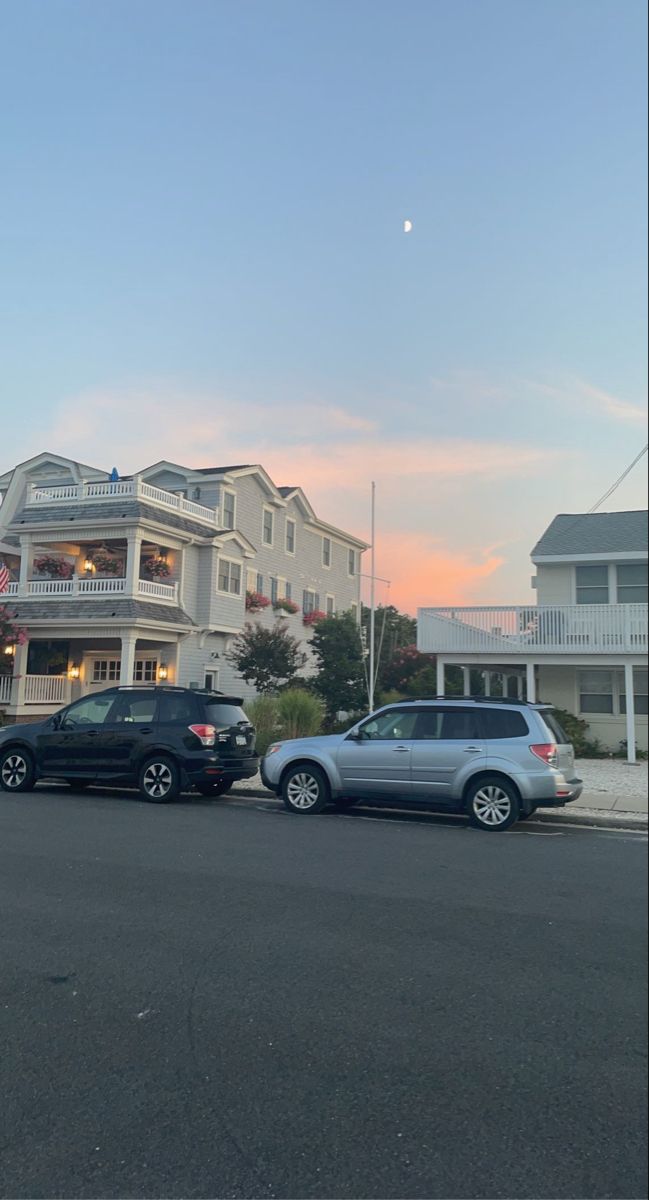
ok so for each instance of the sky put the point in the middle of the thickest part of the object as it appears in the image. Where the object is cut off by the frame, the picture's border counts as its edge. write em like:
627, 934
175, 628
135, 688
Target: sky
202, 258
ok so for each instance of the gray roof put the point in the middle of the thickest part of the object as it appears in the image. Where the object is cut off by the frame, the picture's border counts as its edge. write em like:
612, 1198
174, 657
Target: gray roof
128, 511
222, 470
594, 533
80, 609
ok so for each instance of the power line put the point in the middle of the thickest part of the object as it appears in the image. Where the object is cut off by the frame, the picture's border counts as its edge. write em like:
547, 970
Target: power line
621, 479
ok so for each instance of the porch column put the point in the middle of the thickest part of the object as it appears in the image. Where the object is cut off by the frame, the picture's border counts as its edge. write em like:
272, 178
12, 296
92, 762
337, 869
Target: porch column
531, 683
133, 550
466, 681
440, 676
487, 682
128, 658
20, 676
25, 562
519, 686
630, 713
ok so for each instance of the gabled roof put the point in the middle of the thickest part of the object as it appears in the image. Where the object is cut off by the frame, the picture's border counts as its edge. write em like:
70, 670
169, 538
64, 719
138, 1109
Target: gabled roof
223, 470
59, 460
594, 533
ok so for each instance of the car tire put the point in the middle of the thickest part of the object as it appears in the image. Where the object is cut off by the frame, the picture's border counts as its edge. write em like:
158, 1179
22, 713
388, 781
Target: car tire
17, 770
342, 803
159, 781
214, 789
305, 789
493, 804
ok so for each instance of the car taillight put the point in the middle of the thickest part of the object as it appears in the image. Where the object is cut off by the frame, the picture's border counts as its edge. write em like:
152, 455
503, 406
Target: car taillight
205, 733
547, 752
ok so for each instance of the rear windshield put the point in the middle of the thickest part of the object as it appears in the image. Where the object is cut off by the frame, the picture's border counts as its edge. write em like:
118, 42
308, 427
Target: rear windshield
503, 723
556, 729
224, 715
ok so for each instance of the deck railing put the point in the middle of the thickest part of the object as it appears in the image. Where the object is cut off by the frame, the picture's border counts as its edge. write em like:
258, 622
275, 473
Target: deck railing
80, 586
119, 490
544, 629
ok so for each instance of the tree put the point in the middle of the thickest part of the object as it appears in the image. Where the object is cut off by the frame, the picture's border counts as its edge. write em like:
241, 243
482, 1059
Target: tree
340, 681
269, 659
394, 631
10, 634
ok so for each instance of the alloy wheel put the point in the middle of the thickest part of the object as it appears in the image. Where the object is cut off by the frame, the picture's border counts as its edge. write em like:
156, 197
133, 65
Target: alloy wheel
14, 770
157, 780
303, 791
491, 805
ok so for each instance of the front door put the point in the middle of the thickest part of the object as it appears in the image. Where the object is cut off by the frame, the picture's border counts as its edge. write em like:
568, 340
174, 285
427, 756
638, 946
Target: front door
376, 762
446, 741
81, 743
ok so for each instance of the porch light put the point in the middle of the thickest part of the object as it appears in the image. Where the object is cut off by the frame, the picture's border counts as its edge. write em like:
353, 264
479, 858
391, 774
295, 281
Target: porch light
88, 566
74, 671
10, 648
162, 555
163, 671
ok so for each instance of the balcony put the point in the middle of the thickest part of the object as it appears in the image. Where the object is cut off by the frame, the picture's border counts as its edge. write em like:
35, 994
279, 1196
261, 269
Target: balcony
149, 589
525, 629
121, 489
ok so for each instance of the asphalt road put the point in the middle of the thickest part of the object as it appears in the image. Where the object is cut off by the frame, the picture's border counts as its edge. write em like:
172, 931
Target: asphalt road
223, 1000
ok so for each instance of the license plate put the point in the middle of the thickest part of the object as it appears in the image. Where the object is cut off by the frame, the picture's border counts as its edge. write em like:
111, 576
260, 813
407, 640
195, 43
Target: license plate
241, 740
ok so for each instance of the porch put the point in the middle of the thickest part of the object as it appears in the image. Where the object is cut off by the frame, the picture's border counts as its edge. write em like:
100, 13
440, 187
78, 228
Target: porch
52, 568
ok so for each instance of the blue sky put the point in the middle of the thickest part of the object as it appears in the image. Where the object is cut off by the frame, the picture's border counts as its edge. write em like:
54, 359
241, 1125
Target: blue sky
203, 258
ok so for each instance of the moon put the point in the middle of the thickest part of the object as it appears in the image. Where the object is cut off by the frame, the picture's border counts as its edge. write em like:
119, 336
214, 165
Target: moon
407, 226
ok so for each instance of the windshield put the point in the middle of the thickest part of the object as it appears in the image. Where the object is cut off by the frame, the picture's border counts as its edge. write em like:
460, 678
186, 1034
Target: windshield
222, 716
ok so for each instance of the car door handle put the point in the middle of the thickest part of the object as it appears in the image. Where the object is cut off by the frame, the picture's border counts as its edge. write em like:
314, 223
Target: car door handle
147, 730
473, 749
92, 733
400, 749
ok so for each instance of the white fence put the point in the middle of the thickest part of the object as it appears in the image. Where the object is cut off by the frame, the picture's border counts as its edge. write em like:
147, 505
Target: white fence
118, 490
46, 689
5, 688
159, 591
80, 586
544, 629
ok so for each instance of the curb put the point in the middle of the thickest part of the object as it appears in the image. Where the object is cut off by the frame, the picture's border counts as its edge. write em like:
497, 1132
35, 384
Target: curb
595, 818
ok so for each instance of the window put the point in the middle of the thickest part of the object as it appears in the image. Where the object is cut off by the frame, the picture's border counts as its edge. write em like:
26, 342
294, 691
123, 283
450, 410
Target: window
447, 725
146, 670
592, 585
354, 611
310, 601
267, 527
229, 576
500, 723
632, 584
229, 509
290, 537
175, 707
331, 606
288, 590
224, 715
260, 584
274, 591
596, 691
93, 710
351, 562
134, 708
640, 689
326, 552
212, 680
106, 670
392, 726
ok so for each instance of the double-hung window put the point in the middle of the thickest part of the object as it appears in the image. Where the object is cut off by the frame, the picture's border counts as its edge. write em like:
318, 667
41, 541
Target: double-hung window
596, 692
229, 509
326, 552
310, 601
592, 585
267, 527
632, 584
229, 578
290, 536
351, 562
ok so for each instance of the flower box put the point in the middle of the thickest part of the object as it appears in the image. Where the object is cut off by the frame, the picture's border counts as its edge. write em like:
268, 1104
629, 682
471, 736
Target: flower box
283, 605
255, 602
312, 618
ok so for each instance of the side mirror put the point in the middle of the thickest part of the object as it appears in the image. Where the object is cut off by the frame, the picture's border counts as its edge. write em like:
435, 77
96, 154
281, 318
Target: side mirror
55, 721
355, 736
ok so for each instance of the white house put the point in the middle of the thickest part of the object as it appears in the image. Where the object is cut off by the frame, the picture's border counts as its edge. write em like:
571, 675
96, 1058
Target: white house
583, 645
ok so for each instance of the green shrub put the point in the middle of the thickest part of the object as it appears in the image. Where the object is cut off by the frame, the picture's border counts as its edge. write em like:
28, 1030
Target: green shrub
300, 713
577, 731
264, 714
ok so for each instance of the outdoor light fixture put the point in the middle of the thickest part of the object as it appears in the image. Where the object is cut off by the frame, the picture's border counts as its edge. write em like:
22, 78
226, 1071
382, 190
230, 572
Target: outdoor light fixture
162, 555
88, 565
10, 648
74, 671
163, 671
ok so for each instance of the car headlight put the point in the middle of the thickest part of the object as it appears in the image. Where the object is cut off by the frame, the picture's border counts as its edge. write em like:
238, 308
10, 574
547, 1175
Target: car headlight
274, 748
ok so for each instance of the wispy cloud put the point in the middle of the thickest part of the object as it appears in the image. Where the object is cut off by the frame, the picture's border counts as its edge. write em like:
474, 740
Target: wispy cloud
578, 393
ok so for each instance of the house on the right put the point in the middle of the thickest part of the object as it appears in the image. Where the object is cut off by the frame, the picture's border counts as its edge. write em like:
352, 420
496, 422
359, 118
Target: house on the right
582, 645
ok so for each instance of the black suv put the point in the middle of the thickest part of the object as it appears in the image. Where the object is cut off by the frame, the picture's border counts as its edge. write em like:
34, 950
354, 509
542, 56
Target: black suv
160, 739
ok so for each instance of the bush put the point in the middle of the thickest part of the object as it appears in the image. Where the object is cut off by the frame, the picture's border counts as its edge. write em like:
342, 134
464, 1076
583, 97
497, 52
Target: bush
264, 714
577, 731
300, 713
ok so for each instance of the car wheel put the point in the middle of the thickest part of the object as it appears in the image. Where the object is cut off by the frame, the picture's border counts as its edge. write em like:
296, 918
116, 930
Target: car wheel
17, 771
342, 803
493, 804
305, 789
218, 788
160, 779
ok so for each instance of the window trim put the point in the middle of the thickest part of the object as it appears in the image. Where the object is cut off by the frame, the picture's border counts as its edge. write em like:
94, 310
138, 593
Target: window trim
229, 492
326, 566
211, 671
265, 510
352, 574
585, 587
223, 558
293, 522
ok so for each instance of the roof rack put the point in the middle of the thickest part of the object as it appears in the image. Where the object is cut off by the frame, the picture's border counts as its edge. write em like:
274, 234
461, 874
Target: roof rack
474, 699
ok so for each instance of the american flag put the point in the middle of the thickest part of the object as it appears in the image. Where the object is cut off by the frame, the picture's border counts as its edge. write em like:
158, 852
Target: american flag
4, 577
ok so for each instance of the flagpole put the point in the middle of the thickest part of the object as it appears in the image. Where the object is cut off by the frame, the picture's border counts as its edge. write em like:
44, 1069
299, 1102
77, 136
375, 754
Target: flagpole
370, 689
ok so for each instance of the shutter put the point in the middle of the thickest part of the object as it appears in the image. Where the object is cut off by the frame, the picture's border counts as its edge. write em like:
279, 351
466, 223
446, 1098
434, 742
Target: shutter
287, 590
273, 590
316, 603
260, 584
305, 601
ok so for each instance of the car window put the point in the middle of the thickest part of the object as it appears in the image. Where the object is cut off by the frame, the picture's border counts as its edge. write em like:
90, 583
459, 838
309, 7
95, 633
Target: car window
556, 728
393, 726
93, 710
176, 708
447, 725
500, 723
134, 708
224, 715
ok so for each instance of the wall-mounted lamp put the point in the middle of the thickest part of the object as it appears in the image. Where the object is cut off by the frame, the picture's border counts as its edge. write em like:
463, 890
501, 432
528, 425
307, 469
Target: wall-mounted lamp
163, 671
74, 671
88, 566
162, 554
10, 648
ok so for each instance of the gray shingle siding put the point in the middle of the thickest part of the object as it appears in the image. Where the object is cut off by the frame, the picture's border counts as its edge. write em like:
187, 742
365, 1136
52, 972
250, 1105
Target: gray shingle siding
594, 533
127, 512
79, 609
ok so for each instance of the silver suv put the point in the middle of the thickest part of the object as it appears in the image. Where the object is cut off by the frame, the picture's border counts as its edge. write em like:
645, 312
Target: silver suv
495, 760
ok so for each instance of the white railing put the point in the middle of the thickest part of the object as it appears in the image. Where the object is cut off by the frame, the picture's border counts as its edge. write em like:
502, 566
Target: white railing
12, 590
51, 587
117, 490
5, 688
159, 591
46, 689
101, 587
545, 629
